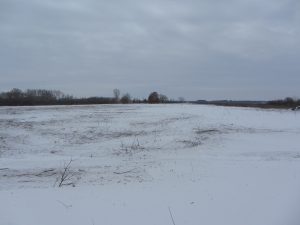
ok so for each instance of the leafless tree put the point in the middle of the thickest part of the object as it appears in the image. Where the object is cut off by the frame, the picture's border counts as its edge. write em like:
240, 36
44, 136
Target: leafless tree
116, 94
181, 99
153, 98
163, 98
66, 175
126, 99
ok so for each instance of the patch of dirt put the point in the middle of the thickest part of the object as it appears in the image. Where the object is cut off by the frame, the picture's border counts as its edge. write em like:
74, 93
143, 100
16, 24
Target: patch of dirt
191, 143
206, 131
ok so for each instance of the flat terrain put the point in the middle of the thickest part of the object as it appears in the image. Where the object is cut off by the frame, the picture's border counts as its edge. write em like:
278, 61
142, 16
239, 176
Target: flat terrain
149, 165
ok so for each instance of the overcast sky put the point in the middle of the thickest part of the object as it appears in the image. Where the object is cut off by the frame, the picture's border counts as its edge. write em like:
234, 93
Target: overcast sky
198, 49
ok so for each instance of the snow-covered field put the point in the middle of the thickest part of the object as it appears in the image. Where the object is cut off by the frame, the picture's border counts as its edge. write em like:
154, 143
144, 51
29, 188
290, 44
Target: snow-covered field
149, 165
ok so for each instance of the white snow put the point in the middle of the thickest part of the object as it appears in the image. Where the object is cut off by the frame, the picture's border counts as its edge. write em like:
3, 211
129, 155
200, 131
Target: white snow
140, 164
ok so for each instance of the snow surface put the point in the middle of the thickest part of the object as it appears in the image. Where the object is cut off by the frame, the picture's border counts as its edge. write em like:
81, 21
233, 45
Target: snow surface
144, 164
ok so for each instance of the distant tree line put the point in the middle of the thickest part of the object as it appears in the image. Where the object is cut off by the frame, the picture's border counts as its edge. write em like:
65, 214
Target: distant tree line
288, 102
153, 98
17, 97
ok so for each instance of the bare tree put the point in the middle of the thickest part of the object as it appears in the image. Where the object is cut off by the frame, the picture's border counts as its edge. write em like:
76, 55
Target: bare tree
153, 98
126, 99
15, 93
163, 98
116, 94
66, 175
181, 99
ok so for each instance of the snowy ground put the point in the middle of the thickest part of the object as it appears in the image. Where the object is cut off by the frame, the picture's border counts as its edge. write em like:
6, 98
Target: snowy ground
144, 164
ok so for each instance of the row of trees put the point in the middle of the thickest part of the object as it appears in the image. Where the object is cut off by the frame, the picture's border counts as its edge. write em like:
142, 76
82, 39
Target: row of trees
17, 97
154, 98
287, 102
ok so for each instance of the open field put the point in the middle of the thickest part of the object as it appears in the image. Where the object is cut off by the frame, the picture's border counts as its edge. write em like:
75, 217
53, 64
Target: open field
149, 164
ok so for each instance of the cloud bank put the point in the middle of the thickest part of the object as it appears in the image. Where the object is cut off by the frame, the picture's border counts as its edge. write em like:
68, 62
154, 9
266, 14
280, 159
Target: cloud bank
209, 49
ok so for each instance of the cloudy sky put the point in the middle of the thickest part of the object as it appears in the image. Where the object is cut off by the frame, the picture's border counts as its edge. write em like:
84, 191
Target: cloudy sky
198, 49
